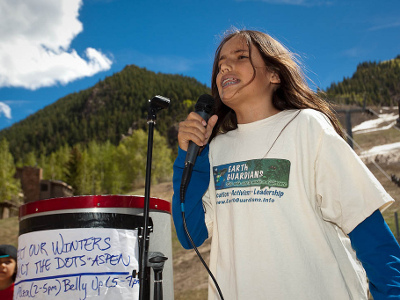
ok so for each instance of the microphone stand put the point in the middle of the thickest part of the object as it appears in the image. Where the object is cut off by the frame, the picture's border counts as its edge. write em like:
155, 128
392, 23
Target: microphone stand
155, 104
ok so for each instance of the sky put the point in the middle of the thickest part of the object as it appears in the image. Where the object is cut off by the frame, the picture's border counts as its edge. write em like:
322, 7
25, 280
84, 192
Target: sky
51, 48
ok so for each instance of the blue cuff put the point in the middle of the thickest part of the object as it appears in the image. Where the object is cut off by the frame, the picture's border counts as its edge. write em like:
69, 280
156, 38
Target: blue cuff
201, 162
379, 253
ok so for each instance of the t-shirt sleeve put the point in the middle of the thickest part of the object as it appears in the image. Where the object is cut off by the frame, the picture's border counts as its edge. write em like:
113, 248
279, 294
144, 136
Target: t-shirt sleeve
347, 191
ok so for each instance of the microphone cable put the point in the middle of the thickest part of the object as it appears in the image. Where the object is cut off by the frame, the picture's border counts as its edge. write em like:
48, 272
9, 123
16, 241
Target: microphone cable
182, 196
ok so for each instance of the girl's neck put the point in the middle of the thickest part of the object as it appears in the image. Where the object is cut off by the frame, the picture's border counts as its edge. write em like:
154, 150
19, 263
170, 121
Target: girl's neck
251, 114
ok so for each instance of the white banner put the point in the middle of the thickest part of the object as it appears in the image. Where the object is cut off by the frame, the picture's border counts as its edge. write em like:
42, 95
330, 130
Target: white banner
77, 264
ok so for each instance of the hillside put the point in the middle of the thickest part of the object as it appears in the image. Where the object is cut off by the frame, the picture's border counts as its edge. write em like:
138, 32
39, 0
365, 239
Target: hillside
105, 111
376, 83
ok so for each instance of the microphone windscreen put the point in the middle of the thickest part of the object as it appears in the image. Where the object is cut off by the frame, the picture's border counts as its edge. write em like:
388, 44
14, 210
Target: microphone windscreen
205, 103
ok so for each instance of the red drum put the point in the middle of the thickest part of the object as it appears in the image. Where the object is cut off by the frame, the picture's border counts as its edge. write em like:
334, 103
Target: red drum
87, 246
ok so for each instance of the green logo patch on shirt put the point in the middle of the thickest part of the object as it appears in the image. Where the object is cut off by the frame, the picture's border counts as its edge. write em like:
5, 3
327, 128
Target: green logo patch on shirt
265, 172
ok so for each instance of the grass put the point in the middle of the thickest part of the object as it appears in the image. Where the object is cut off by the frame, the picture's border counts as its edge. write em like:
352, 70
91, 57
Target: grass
391, 188
9, 231
193, 295
368, 140
190, 277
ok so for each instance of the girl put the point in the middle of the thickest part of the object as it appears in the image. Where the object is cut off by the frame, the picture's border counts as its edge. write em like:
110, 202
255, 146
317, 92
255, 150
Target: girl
8, 271
286, 191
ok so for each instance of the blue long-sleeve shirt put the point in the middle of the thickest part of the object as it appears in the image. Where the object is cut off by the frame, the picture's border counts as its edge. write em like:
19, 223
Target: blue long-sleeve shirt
193, 201
374, 243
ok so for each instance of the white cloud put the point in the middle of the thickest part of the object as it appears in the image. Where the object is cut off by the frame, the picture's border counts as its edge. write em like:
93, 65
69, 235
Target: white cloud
5, 109
161, 63
353, 52
35, 44
170, 64
387, 25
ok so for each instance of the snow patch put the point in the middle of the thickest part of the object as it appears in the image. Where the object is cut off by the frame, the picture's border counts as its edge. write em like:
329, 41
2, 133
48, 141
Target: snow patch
376, 124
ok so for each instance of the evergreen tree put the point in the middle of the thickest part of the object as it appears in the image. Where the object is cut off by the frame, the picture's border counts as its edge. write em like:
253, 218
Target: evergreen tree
55, 166
9, 186
84, 177
132, 159
110, 175
30, 159
73, 166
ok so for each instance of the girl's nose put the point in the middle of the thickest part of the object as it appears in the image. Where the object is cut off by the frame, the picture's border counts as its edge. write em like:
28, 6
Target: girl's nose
226, 66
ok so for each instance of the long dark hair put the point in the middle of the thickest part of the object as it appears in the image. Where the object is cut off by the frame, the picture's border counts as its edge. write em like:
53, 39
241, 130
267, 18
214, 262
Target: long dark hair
292, 93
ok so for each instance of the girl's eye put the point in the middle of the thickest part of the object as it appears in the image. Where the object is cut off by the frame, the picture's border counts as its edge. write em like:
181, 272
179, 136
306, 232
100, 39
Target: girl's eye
219, 67
243, 57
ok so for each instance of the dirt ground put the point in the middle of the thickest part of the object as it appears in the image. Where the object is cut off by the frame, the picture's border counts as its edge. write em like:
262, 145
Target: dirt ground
190, 276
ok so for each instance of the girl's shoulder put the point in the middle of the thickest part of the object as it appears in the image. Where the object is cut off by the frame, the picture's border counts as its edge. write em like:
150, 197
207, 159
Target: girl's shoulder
315, 118
311, 122
312, 114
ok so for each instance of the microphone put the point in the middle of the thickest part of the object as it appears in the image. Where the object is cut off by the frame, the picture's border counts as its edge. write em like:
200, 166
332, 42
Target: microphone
204, 108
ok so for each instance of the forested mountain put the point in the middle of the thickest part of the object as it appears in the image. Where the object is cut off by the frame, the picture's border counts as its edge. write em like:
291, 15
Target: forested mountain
377, 83
105, 112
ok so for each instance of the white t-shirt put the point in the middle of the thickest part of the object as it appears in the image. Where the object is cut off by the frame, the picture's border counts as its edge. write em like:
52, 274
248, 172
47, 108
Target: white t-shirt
283, 194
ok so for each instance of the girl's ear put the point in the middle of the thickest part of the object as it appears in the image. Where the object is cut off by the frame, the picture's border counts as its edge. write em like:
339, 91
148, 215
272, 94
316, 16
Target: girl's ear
275, 78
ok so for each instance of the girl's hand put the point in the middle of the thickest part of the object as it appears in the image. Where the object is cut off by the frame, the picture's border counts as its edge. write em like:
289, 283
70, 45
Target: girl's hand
195, 129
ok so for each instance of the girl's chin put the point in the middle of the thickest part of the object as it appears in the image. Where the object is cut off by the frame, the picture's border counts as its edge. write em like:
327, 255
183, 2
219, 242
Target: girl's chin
230, 98
228, 95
